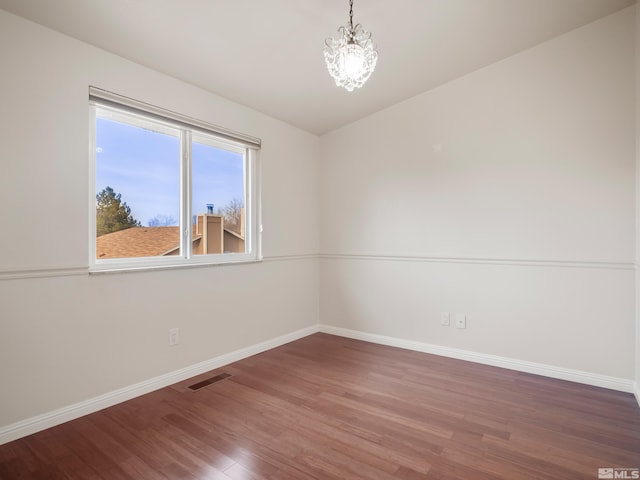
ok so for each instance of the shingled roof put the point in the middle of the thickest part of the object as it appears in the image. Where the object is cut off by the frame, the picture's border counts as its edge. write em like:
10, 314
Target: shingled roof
138, 242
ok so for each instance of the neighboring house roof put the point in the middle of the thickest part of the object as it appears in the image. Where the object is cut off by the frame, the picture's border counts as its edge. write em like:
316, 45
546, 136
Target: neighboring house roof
138, 242
233, 233
144, 242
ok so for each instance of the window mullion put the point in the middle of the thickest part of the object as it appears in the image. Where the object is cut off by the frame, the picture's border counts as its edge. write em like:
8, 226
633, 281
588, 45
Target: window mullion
186, 239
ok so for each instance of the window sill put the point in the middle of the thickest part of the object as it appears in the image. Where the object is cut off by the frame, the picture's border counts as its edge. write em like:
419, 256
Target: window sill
120, 268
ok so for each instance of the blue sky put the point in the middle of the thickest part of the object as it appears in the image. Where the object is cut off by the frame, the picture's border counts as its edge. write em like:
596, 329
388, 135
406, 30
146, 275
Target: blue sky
144, 167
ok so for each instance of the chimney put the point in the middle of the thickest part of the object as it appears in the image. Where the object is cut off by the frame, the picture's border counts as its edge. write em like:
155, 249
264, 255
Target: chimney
209, 208
210, 227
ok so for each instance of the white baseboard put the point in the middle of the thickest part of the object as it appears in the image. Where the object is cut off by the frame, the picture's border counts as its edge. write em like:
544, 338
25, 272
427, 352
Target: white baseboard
56, 417
613, 383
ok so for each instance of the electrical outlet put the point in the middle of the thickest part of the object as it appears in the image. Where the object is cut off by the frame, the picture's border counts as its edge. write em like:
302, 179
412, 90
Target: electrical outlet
445, 319
461, 320
174, 337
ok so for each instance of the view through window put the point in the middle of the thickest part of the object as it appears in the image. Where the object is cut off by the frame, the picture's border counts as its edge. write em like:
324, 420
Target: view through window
162, 190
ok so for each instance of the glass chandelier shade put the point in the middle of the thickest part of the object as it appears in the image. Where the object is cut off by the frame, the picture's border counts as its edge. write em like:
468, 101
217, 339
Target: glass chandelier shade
351, 58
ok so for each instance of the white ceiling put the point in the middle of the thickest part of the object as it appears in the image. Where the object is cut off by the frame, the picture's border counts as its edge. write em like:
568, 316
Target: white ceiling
268, 54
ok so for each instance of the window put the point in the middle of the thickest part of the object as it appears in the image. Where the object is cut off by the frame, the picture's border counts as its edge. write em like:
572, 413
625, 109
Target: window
169, 190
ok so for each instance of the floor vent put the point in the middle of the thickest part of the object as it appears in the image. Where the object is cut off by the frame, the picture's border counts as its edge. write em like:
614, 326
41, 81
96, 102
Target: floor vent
209, 381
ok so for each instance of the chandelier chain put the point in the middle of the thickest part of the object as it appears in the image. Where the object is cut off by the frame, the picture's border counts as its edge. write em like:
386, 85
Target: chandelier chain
351, 15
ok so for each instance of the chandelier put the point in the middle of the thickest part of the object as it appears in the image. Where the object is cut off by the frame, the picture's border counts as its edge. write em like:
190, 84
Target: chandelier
351, 58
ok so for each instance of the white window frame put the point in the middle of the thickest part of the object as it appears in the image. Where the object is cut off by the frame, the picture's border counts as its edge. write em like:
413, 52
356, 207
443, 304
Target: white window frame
123, 108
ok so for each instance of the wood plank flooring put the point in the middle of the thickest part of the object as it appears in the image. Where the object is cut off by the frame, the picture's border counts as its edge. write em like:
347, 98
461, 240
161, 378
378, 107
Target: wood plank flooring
326, 407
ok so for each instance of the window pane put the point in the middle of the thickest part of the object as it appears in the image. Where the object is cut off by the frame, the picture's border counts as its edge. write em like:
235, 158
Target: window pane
218, 198
137, 188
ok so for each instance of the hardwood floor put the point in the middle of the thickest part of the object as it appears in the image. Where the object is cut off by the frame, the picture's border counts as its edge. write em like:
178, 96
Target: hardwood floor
326, 407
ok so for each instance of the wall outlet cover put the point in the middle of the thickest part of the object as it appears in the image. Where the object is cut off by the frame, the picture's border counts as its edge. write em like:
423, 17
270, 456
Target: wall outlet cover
174, 337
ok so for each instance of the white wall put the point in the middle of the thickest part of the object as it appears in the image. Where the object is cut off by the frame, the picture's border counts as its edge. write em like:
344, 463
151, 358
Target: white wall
507, 194
637, 363
67, 336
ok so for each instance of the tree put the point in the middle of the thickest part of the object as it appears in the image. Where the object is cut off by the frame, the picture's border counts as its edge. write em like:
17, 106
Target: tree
161, 220
232, 214
112, 214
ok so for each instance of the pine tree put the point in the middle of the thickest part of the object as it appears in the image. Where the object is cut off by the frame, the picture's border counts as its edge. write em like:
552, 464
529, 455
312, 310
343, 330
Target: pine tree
112, 214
